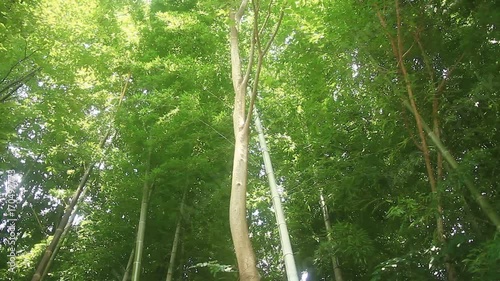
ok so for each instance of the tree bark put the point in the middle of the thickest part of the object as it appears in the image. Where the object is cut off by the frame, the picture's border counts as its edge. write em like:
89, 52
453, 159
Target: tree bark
247, 264
245, 255
241, 121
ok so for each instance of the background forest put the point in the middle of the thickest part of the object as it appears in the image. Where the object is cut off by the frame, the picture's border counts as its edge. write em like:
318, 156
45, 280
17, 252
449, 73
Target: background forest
381, 118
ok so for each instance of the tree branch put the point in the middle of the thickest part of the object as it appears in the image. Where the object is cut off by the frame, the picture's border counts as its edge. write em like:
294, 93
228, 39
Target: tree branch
384, 25
255, 37
445, 79
267, 17
241, 10
275, 31
15, 65
253, 95
24, 78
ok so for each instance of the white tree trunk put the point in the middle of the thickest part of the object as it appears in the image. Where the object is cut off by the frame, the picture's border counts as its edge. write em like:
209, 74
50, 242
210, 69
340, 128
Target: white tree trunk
247, 264
286, 246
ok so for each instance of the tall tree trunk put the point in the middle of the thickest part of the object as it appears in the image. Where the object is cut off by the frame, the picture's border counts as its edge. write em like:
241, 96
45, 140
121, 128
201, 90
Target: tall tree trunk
335, 262
175, 243
173, 253
44, 263
286, 246
245, 255
62, 224
141, 229
247, 264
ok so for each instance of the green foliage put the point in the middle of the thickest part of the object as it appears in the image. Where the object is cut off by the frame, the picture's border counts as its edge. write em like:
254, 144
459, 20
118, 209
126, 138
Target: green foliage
214, 267
482, 262
331, 105
351, 244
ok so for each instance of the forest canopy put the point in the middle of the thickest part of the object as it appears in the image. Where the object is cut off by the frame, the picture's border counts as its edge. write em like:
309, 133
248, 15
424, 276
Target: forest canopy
249, 140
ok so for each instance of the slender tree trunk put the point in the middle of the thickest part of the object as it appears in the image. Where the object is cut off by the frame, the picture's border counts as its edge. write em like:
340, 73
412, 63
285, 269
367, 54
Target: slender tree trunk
286, 246
64, 220
173, 253
247, 264
129, 265
481, 201
63, 237
58, 233
44, 263
335, 262
237, 216
399, 53
141, 229
175, 244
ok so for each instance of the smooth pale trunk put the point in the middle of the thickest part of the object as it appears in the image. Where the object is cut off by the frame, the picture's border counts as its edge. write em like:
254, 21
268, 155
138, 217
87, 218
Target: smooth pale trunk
286, 246
237, 211
129, 265
245, 255
335, 263
139, 245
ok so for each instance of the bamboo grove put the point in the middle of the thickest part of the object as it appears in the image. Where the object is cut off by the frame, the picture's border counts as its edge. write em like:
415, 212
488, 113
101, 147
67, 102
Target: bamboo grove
249, 140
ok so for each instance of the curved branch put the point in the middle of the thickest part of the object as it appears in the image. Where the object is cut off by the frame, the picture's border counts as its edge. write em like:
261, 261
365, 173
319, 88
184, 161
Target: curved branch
241, 10
275, 31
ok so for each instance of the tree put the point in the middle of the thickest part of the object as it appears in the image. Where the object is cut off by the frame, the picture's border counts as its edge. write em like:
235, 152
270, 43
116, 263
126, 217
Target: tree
241, 124
333, 93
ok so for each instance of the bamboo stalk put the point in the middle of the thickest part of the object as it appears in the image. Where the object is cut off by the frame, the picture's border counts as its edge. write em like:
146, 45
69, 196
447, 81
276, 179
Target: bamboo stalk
129, 265
326, 218
483, 203
175, 244
286, 246
141, 229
